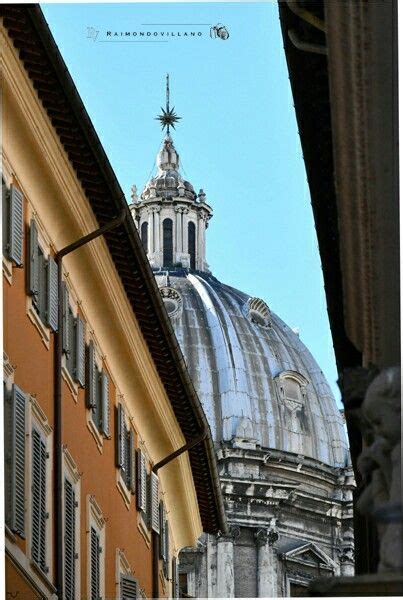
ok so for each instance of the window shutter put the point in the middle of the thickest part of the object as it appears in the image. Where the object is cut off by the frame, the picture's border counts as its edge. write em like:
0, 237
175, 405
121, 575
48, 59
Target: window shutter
95, 565
39, 514
175, 578
52, 297
141, 482
132, 459
66, 324
120, 439
69, 541
162, 517
80, 352
92, 372
104, 401
166, 560
15, 453
16, 225
154, 502
33, 274
128, 587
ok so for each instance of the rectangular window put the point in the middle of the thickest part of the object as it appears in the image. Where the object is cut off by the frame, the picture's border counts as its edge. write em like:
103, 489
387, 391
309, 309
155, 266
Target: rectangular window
97, 392
141, 482
39, 512
95, 567
42, 281
14, 429
154, 503
73, 340
125, 451
70, 554
164, 540
129, 588
13, 224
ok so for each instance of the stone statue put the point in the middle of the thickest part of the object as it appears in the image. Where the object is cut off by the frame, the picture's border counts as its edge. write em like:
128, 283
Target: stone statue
380, 465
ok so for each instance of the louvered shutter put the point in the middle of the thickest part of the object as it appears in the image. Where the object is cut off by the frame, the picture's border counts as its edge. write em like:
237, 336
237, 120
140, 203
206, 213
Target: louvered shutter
120, 439
15, 457
79, 370
69, 541
162, 516
175, 578
39, 514
52, 296
16, 225
167, 554
95, 565
141, 482
92, 374
33, 274
66, 324
154, 502
128, 587
132, 459
104, 403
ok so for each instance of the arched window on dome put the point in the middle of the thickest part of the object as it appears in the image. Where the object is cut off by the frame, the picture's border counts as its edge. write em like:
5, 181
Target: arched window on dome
292, 389
192, 244
167, 232
144, 235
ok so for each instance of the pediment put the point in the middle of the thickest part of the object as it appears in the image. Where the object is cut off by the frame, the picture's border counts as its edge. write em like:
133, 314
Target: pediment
309, 554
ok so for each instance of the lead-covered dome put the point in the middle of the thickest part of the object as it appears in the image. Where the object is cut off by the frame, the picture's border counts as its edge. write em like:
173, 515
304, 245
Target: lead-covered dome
257, 381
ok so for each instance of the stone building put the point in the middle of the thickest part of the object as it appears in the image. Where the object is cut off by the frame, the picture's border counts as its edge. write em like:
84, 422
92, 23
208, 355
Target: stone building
100, 493
279, 437
342, 60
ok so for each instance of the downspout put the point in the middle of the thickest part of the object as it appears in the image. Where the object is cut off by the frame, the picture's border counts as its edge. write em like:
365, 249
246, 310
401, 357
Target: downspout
155, 538
58, 353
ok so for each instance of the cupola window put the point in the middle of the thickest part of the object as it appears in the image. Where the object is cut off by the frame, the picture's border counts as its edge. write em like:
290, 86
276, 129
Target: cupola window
144, 235
167, 228
192, 244
258, 312
172, 301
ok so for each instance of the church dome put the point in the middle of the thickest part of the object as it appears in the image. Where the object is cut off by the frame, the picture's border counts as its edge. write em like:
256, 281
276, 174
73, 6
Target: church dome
258, 383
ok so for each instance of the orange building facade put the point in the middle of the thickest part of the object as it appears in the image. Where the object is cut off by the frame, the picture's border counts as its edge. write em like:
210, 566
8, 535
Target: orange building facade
95, 389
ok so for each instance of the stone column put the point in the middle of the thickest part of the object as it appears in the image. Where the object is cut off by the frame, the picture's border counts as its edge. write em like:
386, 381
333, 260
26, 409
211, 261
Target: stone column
199, 243
151, 232
225, 565
185, 231
178, 249
266, 563
157, 233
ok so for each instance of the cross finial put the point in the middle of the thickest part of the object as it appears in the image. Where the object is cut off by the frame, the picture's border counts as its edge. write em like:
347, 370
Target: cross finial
168, 116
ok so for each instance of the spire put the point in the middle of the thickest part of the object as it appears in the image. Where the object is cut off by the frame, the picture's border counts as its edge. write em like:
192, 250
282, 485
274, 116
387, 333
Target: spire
168, 116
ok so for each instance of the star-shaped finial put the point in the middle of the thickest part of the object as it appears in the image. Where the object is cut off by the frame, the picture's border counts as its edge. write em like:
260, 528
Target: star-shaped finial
168, 116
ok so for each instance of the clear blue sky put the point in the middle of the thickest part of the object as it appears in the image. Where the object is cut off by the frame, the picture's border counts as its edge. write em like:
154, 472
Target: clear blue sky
238, 138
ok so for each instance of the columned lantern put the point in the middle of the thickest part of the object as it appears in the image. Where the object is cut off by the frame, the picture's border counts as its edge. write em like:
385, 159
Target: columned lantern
172, 219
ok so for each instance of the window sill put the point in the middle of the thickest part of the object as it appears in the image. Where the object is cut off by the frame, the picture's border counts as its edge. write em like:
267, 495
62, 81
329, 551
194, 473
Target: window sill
10, 534
71, 384
44, 578
99, 440
123, 490
36, 320
8, 270
145, 532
